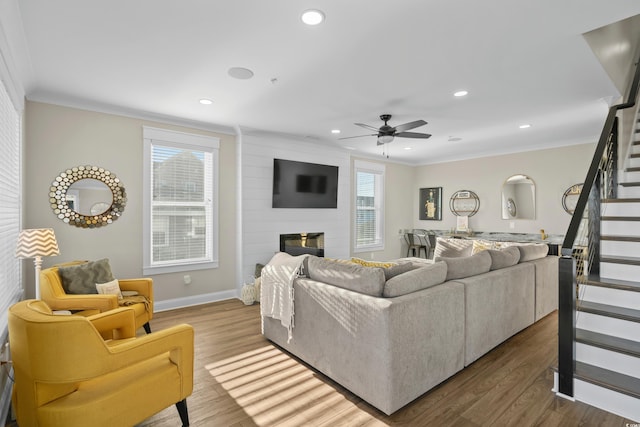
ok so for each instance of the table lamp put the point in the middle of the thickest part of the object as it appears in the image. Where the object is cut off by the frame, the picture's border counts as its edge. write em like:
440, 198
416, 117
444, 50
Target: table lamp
36, 243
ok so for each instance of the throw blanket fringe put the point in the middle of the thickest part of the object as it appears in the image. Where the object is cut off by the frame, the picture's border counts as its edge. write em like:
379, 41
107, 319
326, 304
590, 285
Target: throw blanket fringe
276, 299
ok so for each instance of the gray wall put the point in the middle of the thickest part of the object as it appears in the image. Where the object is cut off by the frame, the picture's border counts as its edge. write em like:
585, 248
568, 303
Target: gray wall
58, 138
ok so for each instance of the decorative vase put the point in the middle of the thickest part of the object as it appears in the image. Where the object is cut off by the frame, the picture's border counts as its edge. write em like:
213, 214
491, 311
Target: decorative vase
247, 294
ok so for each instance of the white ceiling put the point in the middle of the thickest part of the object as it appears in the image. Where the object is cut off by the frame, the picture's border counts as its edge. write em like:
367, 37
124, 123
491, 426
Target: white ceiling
521, 61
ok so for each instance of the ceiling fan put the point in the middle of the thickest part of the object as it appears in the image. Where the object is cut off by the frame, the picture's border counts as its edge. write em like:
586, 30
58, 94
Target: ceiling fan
387, 133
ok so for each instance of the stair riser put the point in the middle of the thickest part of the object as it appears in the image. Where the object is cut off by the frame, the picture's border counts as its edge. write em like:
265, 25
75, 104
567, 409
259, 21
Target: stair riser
608, 325
631, 177
607, 359
617, 297
634, 162
628, 192
620, 209
614, 248
608, 400
620, 228
620, 271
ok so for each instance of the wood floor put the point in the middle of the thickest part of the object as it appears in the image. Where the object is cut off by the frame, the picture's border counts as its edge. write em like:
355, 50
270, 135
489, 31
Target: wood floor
242, 380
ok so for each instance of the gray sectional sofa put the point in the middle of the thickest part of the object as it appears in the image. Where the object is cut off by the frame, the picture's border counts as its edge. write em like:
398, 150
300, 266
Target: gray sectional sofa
391, 334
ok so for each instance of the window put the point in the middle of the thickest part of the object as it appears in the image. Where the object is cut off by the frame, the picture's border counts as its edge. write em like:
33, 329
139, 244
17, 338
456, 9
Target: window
369, 221
10, 185
180, 201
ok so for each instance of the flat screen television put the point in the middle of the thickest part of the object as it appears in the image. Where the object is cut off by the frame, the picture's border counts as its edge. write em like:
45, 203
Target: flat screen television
304, 185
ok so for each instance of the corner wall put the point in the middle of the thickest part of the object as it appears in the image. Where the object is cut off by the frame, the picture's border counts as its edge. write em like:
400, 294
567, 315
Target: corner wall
58, 138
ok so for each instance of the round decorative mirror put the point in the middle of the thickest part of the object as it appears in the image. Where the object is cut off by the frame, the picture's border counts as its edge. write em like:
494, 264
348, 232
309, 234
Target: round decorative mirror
570, 198
464, 203
87, 197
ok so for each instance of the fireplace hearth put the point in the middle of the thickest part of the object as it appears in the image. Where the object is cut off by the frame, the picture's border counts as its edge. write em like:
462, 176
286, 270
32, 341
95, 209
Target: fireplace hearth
302, 243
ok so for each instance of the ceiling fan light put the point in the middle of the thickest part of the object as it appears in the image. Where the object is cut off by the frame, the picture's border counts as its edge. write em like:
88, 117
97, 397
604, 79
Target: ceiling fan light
383, 139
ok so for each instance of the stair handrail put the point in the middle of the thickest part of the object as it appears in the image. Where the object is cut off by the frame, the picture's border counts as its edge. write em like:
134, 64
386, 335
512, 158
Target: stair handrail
567, 270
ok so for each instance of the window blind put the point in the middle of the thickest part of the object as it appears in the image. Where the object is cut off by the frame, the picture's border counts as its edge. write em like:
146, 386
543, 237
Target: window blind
369, 221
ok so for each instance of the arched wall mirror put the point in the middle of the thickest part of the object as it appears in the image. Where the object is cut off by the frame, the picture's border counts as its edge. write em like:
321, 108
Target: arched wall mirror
519, 198
87, 197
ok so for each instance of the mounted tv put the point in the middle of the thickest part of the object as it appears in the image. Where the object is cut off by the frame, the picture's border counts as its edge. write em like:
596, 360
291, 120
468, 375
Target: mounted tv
304, 185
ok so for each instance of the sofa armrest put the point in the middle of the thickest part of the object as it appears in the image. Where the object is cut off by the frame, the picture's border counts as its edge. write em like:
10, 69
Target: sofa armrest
143, 286
122, 321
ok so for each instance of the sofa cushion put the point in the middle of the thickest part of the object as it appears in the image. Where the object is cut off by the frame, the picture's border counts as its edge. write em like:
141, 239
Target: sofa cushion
502, 258
393, 271
452, 247
533, 251
366, 280
458, 268
82, 278
415, 280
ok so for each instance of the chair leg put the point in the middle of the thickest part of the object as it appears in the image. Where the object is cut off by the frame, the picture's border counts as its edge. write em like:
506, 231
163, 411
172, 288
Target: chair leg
147, 327
182, 411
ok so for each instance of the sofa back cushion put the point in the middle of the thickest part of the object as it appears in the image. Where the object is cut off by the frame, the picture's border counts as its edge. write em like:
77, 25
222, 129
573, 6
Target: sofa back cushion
415, 280
502, 258
458, 268
451, 248
533, 251
366, 280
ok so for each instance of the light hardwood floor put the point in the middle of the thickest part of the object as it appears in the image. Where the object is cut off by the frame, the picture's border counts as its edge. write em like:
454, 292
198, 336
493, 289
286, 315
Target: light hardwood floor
242, 380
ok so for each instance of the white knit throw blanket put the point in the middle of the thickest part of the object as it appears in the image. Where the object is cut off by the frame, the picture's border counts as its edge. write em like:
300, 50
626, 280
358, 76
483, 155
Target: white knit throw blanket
276, 296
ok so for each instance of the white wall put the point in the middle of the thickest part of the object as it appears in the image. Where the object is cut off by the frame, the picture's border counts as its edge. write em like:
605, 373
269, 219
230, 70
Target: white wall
262, 224
552, 170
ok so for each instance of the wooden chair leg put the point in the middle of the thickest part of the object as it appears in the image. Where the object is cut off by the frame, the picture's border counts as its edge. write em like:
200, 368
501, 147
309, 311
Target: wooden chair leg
182, 411
147, 327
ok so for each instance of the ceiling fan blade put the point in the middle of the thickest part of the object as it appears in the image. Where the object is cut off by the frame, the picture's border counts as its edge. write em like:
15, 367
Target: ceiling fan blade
413, 135
358, 136
410, 125
366, 126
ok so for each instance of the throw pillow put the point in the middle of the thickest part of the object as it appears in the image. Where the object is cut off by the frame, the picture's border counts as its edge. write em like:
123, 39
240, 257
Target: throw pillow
415, 280
365, 263
109, 288
452, 247
533, 251
503, 258
354, 277
459, 268
481, 245
82, 279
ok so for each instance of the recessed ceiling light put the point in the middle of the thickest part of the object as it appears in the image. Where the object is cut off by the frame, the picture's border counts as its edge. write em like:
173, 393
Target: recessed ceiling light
335, 131
240, 73
525, 126
312, 17
407, 148
206, 101
461, 93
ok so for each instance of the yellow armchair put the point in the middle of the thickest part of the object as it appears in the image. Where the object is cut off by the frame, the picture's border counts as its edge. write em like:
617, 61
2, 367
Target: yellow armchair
52, 292
67, 375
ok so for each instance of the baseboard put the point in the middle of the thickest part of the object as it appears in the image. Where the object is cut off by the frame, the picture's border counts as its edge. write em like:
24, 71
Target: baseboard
190, 301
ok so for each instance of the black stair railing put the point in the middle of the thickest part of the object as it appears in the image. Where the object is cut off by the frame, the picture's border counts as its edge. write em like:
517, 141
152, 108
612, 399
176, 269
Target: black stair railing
600, 183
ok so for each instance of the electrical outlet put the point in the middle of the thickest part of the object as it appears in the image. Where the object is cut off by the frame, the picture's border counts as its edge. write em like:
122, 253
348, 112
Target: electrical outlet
5, 353
186, 279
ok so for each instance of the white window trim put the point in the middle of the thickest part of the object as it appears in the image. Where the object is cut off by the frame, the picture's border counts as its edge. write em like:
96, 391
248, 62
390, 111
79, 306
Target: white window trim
376, 168
186, 140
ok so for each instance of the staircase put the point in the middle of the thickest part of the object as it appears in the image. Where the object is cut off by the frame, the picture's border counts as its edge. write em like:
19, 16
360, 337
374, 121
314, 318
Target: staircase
607, 333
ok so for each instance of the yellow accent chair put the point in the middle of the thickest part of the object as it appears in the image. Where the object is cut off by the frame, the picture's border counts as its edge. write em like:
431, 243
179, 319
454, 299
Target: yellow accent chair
67, 375
52, 292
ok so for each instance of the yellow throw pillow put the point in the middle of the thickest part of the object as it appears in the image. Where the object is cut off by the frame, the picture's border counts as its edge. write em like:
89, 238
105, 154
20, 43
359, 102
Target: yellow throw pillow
365, 263
481, 245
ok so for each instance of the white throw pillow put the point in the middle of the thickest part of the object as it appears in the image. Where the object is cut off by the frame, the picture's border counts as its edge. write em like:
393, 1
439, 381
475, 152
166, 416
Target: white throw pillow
109, 288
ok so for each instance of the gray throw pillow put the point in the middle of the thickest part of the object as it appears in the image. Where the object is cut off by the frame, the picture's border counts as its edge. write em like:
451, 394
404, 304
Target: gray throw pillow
366, 280
415, 280
82, 278
391, 272
533, 251
451, 248
504, 257
459, 268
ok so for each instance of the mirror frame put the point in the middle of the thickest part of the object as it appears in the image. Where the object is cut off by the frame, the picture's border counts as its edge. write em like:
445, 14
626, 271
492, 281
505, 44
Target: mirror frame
509, 208
61, 184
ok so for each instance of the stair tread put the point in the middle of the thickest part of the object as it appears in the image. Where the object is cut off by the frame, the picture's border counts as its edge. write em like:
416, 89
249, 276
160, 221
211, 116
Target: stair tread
622, 200
608, 342
620, 218
609, 379
605, 282
630, 184
609, 310
621, 238
619, 259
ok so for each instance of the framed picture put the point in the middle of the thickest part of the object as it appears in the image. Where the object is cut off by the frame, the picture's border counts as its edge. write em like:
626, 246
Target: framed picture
431, 203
